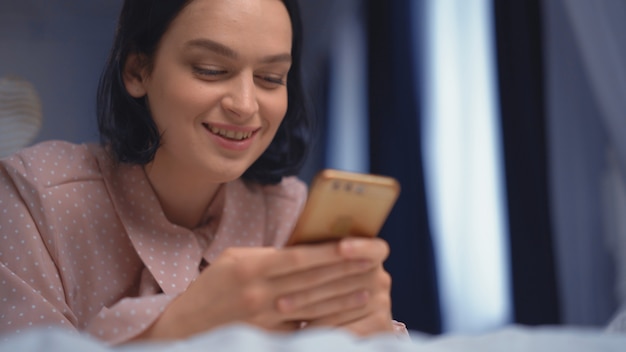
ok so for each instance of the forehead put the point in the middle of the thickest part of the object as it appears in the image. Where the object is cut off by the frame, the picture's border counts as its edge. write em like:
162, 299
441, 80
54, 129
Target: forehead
239, 23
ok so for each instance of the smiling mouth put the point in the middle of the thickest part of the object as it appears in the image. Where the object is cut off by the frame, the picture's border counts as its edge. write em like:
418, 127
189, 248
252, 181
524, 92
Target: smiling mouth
229, 134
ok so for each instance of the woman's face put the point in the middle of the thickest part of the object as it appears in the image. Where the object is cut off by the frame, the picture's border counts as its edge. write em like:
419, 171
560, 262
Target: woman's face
217, 88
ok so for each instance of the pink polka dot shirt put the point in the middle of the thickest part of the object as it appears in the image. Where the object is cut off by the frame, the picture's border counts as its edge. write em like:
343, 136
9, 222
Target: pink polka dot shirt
85, 244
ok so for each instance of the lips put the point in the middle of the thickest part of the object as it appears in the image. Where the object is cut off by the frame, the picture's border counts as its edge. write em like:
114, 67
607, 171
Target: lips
234, 135
231, 138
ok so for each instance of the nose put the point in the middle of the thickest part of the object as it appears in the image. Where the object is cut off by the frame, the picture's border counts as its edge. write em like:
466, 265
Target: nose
241, 100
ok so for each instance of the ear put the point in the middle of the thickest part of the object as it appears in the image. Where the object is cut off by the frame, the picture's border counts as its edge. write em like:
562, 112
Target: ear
134, 77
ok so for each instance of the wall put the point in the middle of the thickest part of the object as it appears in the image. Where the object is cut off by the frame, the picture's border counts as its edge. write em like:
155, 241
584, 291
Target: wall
60, 47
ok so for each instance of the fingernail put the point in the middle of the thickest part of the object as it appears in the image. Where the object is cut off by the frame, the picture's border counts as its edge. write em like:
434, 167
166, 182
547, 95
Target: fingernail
348, 245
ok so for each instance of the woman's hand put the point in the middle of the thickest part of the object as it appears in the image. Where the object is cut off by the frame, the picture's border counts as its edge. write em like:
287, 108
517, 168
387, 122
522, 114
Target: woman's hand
371, 287
277, 289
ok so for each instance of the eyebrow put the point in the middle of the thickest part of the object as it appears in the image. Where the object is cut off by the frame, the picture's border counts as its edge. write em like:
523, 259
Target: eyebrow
227, 52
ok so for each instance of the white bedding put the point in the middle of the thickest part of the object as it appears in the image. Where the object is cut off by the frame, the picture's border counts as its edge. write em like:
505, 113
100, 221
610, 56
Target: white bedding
244, 338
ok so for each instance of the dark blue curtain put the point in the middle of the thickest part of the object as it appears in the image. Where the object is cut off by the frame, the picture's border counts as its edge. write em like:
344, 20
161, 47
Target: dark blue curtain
395, 150
519, 41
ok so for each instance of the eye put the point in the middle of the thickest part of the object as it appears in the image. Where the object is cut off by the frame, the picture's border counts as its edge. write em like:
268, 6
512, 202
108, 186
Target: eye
271, 81
209, 73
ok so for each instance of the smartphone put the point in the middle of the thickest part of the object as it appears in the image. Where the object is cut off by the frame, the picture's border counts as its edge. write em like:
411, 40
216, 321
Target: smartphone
342, 203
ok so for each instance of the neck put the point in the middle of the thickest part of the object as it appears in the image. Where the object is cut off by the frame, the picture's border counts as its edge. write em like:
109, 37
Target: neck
184, 196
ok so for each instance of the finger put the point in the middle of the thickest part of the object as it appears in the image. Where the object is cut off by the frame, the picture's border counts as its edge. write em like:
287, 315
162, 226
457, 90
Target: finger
378, 310
358, 321
269, 262
312, 295
379, 322
303, 257
287, 326
375, 249
319, 277
333, 307
340, 319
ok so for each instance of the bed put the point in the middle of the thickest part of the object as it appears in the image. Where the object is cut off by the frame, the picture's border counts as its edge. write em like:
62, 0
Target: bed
242, 338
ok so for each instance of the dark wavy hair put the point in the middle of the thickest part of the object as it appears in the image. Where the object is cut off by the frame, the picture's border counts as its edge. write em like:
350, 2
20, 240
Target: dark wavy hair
126, 126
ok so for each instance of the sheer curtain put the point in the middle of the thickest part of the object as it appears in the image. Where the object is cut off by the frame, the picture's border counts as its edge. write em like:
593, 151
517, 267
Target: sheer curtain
586, 60
464, 176
347, 125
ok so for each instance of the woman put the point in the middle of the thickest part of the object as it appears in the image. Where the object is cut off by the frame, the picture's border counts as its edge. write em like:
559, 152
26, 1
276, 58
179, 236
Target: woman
172, 227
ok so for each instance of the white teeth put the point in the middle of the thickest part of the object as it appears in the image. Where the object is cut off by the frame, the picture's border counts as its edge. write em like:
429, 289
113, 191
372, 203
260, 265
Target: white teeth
230, 134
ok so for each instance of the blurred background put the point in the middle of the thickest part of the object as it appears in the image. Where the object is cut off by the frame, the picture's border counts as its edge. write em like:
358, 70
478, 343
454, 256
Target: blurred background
503, 120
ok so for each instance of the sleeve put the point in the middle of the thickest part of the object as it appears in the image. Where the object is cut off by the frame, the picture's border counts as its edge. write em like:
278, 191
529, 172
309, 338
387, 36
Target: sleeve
128, 318
131, 316
31, 290
37, 288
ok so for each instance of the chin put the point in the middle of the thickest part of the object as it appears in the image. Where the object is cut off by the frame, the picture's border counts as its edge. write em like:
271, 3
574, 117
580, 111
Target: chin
226, 174
226, 169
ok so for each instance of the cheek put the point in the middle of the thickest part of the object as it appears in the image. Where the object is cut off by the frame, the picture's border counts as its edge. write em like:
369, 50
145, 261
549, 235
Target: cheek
171, 105
276, 110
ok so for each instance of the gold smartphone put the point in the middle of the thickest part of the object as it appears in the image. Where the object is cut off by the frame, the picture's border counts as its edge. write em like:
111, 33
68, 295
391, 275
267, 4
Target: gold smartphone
342, 203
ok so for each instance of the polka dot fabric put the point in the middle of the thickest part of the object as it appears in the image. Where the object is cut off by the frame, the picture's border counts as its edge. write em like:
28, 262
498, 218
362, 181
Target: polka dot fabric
84, 242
